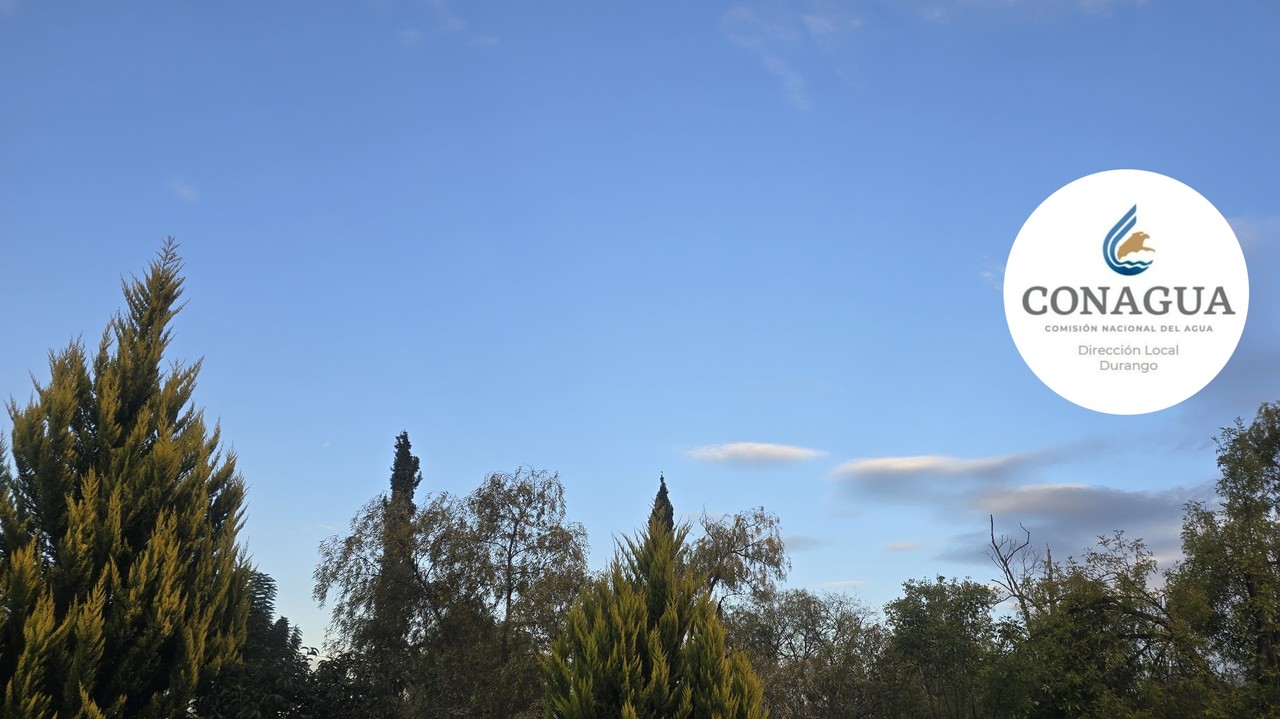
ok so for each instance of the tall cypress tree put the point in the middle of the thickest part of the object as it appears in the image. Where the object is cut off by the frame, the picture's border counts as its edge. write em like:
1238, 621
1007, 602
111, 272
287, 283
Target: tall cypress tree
405, 472
387, 635
121, 583
663, 512
644, 642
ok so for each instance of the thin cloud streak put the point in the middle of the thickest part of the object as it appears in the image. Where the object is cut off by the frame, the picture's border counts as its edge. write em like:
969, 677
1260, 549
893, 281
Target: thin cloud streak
993, 275
1253, 231
929, 464
781, 37
446, 19
753, 453
745, 28
1067, 516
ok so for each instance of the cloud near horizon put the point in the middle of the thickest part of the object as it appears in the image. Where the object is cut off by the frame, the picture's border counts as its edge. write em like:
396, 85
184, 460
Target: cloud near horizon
1066, 516
753, 453
802, 542
931, 464
1070, 517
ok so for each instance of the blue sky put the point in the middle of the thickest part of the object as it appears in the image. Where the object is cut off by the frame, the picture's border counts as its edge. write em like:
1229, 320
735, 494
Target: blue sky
605, 240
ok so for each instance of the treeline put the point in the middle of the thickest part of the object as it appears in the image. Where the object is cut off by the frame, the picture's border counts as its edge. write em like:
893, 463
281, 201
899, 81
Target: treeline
483, 606
124, 592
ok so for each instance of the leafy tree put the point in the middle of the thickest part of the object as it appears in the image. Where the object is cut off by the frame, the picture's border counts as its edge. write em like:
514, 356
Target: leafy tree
818, 656
347, 685
944, 633
1229, 585
1099, 637
533, 565
389, 606
121, 583
644, 641
271, 680
741, 555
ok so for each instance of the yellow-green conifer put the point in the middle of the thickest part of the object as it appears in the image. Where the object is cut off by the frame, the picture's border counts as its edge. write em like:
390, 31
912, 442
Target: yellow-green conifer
644, 641
121, 582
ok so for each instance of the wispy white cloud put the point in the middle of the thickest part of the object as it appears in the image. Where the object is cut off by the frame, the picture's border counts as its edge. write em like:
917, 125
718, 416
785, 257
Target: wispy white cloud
1252, 230
749, 30
940, 482
183, 191
782, 35
819, 25
753, 453
993, 275
930, 464
446, 19
901, 546
791, 80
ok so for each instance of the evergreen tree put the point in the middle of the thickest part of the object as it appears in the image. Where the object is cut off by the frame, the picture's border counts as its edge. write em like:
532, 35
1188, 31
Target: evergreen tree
405, 472
644, 641
121, 584
380, 590
663, 512
388, 631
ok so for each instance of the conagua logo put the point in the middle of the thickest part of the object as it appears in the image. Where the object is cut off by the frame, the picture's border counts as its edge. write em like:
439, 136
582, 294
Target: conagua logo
1130, 257
1112, 336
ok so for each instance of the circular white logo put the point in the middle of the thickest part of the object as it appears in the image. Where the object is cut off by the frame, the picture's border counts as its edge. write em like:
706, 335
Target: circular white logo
1126, 292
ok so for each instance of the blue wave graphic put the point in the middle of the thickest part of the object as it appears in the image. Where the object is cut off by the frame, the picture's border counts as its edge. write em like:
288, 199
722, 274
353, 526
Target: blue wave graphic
1113, 240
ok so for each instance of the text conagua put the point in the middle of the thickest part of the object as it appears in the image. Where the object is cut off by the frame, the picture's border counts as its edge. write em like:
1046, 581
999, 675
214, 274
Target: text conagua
1106, 301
